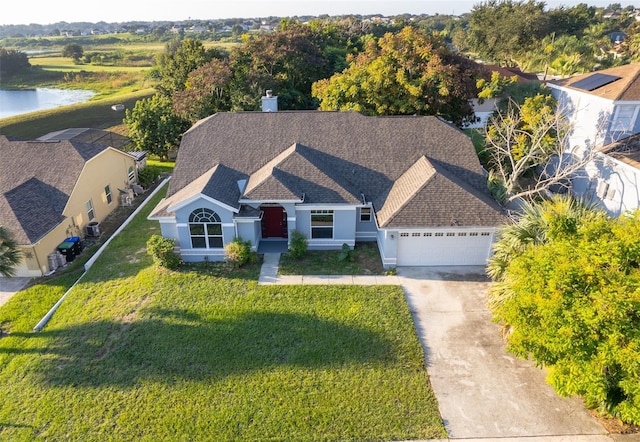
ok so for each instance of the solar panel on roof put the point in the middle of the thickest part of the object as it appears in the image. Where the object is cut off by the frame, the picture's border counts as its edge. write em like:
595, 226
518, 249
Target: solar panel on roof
594, 81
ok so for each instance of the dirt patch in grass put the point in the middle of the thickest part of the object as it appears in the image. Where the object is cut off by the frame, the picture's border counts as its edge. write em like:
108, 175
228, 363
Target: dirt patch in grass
365, 260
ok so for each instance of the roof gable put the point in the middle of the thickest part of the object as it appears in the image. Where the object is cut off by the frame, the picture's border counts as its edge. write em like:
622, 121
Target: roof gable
37, 207
403, 190
38, 174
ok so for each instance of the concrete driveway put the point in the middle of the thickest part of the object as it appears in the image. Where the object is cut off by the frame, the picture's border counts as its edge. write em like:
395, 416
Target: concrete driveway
9, 286
483, 391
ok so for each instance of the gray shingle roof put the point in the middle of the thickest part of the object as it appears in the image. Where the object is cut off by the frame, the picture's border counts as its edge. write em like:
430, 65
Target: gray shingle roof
36, 181
336, 157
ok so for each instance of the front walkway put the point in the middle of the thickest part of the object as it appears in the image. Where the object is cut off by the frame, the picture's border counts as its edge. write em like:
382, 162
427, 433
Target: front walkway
484, 393
269, 276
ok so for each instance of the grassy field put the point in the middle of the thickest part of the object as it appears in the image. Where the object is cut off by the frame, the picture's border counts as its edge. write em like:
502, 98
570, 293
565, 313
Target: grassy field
138, 353
65, 64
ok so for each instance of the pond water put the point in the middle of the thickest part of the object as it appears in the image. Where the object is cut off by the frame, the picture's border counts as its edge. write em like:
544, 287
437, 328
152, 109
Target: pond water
16, 102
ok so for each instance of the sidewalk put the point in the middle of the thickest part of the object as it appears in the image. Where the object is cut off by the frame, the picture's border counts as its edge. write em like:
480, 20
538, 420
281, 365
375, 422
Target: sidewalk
269, 276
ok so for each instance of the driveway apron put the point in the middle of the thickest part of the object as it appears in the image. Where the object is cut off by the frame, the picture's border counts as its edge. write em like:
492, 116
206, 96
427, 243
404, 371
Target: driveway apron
483, 391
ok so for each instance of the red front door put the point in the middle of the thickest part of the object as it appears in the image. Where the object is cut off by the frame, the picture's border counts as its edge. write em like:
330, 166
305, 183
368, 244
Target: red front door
274, 222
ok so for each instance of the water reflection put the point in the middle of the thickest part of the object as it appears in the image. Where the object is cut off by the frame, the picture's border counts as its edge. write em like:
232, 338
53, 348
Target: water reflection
16, 102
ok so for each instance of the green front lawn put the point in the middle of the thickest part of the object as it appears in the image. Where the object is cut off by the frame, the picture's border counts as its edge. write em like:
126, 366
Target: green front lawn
365, 260
139, 353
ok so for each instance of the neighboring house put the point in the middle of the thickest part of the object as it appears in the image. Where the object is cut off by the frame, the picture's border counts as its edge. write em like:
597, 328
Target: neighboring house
613, 179
413, 184
483, 109
53, 187
602, 108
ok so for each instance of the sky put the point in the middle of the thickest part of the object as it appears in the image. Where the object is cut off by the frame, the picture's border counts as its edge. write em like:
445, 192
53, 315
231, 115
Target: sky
47, 11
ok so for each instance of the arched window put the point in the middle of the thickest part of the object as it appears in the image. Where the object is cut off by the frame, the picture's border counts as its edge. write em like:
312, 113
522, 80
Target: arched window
205, 229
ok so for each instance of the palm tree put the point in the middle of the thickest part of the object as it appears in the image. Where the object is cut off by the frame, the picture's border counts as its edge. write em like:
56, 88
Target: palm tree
537, 223
10, 255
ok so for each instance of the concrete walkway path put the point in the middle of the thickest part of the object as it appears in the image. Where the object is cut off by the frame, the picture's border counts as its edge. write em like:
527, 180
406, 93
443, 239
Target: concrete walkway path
484, 393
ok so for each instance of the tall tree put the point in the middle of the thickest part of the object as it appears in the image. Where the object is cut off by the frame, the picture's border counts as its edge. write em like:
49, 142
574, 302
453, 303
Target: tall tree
410, 72
499, 29
287, 61
526, 144
154, 127
10, 255
208, 90
13, 62
179, 59
73, 50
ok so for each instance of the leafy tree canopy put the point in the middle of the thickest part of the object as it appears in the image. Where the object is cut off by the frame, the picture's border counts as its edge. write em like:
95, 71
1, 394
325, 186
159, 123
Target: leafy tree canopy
13, 62
73, 50
410, 72
572, 303
153, 126
180, 58
499, 29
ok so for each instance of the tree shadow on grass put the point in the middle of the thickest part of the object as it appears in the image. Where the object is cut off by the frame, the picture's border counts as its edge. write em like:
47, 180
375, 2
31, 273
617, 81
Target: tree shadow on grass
178, 344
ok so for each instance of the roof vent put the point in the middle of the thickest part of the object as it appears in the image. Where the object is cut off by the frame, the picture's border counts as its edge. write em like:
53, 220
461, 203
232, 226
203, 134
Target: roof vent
269, 102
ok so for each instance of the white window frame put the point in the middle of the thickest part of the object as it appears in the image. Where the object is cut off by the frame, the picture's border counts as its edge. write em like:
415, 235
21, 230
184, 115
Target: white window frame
365, 214
107, 194
210, 223
315, 230
91, 214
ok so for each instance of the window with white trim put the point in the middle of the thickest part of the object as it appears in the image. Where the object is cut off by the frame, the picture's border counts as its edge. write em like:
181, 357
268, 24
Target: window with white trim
90, 213
132, 174
415, 234
107, 193
205, 229
365, 214
404, 234
322, 224
625, 116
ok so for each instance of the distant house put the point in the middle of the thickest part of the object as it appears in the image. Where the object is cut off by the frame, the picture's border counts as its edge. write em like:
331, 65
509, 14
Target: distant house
603, 109
53, 187
483, 109
412, 184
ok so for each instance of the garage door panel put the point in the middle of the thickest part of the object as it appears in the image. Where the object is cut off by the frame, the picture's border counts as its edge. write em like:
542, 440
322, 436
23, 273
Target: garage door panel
443, 248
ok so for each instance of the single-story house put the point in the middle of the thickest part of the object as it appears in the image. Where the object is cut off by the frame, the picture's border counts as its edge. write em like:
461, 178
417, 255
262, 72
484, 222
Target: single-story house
53, 187
412, 183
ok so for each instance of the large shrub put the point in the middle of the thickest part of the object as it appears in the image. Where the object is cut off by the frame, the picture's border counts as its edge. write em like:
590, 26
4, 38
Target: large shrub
298, 245
162, 251
572, 304
147, 176
238, 253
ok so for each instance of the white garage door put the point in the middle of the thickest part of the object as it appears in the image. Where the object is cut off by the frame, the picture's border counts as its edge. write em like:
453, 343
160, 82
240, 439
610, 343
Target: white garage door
442, 248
